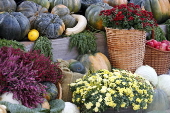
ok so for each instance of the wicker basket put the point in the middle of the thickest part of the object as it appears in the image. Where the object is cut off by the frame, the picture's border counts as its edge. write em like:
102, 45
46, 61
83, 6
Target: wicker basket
58, 85
126, 48
159, 60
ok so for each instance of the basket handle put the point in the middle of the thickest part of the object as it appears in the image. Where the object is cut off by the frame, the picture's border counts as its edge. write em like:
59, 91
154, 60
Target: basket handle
153, 34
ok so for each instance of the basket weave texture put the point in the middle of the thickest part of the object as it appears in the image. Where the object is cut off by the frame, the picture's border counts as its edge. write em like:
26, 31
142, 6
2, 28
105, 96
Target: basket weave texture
159, 60
126, 48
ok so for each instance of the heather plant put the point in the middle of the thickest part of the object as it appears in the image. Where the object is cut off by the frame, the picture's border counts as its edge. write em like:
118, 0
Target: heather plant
22, 73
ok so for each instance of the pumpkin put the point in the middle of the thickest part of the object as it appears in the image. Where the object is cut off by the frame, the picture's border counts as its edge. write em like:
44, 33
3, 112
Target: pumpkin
92, 15
49, 25
43, 3
70, 108
73, 5
115, 2
95, 62
31, 10
78, 67
64, 13
14, 26
159, 103
159, 8
163, 83
8, 97
7, 5
86, 3
45, 104
148, 73
51, 91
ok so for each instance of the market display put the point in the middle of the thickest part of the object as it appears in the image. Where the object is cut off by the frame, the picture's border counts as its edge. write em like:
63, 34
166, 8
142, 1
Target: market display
131, 74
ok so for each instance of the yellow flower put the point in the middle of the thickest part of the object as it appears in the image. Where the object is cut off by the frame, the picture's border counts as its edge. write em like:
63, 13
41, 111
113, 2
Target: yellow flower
108, 95
112, 104
97, 104
100, 99
124, 83
145, 107
118, 81
104, 89
136, 107
78, 99
123, 104
88, 105
96, 109
138, 100
132, 95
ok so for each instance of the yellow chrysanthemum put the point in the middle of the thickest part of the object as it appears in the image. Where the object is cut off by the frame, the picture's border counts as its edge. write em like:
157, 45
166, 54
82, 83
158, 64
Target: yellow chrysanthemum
136, 107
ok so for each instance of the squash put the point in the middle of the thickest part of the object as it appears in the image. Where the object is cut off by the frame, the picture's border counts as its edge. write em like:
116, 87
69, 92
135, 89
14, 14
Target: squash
64, 13
115, 2
31, 10
70, 108
163, 83
14, 26
7, 5
51, 91
92, 15
45, 104
43, 3
160, 102
73, 5
159, 8
49, 25
78, 67
80, 26
95, 62
148, 73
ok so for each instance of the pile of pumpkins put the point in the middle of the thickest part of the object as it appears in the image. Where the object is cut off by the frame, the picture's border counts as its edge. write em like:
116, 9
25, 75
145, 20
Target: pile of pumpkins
53, 18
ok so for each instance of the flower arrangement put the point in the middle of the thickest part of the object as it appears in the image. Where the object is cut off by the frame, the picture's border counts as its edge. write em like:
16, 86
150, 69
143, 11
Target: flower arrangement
21, 73
118, 89
127, 17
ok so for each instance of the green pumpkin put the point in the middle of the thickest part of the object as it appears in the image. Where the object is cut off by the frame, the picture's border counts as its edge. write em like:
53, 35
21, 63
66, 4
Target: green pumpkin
159, 8
92, 15
7, 5
43, 3
64, 13
86, 3
49, 25
51, 91
31, 10
14, 26
78, 67
73, 5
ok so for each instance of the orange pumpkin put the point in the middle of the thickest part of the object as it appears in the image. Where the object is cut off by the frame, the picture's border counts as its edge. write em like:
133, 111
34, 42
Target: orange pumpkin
115, 2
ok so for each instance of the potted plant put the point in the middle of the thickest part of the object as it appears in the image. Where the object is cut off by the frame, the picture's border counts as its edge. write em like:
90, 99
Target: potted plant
115, 90
126, 27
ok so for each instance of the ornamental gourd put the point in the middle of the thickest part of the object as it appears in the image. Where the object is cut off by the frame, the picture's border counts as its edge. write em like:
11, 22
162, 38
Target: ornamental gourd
159, 8
43, 3
49, 25
31, 10
115, 2
73, 5
64, 13
7, 5
14, 26
92, 15
95, 62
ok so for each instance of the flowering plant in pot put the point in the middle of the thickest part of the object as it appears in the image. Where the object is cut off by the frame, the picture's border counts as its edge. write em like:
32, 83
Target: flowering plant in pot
118, 89
127, 17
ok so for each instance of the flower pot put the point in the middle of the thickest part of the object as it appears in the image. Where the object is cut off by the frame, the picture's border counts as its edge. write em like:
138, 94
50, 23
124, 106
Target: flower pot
126, 48
123, 110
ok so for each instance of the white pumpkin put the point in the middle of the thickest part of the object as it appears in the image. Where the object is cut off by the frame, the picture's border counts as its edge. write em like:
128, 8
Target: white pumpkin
9, 98
3, 109
70, 108
164, 83
148, 73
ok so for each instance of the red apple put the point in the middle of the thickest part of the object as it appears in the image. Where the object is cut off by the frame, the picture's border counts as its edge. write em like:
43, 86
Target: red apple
155, 42
166, 41
163, 46
168, 47
150, 43
157, 47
